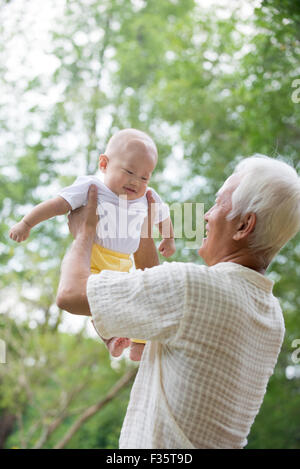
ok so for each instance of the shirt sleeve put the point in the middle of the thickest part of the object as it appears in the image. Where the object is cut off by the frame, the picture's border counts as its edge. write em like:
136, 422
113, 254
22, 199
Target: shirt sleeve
76, 193
146, 305
162, 210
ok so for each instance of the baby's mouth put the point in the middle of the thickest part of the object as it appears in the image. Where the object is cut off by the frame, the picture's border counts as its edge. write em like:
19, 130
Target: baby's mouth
128, 189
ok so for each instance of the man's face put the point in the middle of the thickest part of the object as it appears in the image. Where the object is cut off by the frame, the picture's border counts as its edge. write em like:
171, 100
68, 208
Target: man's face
219, 243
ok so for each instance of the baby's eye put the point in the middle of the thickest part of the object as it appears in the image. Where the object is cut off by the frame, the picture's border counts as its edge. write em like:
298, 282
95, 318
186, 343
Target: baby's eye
145, 179
129, 172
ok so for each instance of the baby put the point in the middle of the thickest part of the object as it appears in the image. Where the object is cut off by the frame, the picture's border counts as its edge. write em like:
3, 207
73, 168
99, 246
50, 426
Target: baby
129, 160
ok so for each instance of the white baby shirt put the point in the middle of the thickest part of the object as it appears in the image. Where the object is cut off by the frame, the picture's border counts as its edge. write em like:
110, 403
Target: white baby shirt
121, 220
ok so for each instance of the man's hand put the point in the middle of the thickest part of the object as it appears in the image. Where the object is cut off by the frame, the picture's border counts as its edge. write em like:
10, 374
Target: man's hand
147, 227
85, 219
146, 255
75, 269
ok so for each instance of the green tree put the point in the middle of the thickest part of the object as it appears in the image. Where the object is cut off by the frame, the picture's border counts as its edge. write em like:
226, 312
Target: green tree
211, 85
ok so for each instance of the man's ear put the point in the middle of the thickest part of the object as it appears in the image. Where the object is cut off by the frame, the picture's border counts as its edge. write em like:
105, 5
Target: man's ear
245, 226
103, 160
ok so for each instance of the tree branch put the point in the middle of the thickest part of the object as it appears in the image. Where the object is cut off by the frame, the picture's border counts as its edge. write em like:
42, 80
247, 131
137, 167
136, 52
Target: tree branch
62, 414
7, 422
92, 410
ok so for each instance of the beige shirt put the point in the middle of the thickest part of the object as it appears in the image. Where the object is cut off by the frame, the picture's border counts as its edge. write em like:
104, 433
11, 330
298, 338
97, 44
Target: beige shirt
214, 335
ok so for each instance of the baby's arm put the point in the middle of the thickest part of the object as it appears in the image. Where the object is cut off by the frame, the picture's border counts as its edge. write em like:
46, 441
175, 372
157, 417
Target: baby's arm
167, 246
43, 211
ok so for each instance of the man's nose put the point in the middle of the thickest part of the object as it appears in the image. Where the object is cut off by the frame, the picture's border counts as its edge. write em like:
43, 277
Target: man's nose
206, 215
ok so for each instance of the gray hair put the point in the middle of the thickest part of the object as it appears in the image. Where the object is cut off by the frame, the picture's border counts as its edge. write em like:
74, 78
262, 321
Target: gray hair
270, 188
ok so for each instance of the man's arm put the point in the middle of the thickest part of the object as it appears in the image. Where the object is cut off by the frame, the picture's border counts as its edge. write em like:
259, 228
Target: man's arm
146, 255
148, 304
75, 269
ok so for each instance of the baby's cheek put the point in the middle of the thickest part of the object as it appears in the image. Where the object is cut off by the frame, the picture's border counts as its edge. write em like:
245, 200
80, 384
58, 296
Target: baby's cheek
143, 191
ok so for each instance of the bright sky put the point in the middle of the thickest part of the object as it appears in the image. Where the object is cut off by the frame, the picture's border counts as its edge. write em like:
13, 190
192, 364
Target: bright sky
29, 52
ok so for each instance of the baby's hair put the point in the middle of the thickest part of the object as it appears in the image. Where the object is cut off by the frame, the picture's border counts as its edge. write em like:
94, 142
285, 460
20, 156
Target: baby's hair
120, 139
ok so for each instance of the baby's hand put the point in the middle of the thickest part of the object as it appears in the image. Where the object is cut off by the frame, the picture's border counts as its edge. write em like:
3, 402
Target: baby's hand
19, 232
167, 247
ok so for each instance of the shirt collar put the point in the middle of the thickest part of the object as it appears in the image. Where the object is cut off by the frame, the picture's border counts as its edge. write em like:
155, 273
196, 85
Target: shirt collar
260, 280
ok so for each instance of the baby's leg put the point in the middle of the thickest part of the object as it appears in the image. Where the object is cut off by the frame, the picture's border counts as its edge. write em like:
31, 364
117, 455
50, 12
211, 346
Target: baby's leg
102, 259
116, 345
136, 351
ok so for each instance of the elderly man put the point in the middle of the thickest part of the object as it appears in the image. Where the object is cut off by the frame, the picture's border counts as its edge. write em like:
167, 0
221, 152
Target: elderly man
213, 332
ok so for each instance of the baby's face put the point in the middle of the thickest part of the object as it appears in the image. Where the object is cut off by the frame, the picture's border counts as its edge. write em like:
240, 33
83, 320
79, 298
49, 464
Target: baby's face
129, 173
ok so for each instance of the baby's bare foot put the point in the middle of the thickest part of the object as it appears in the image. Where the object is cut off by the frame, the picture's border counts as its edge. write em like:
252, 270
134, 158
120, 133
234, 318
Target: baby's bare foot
116, 345
136, 351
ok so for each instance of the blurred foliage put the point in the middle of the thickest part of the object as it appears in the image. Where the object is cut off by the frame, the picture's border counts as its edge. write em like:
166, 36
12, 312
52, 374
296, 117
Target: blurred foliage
50, 379
211, 85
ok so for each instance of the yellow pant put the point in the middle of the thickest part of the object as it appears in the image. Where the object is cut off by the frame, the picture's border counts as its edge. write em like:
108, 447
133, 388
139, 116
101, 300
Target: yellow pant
105, 259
